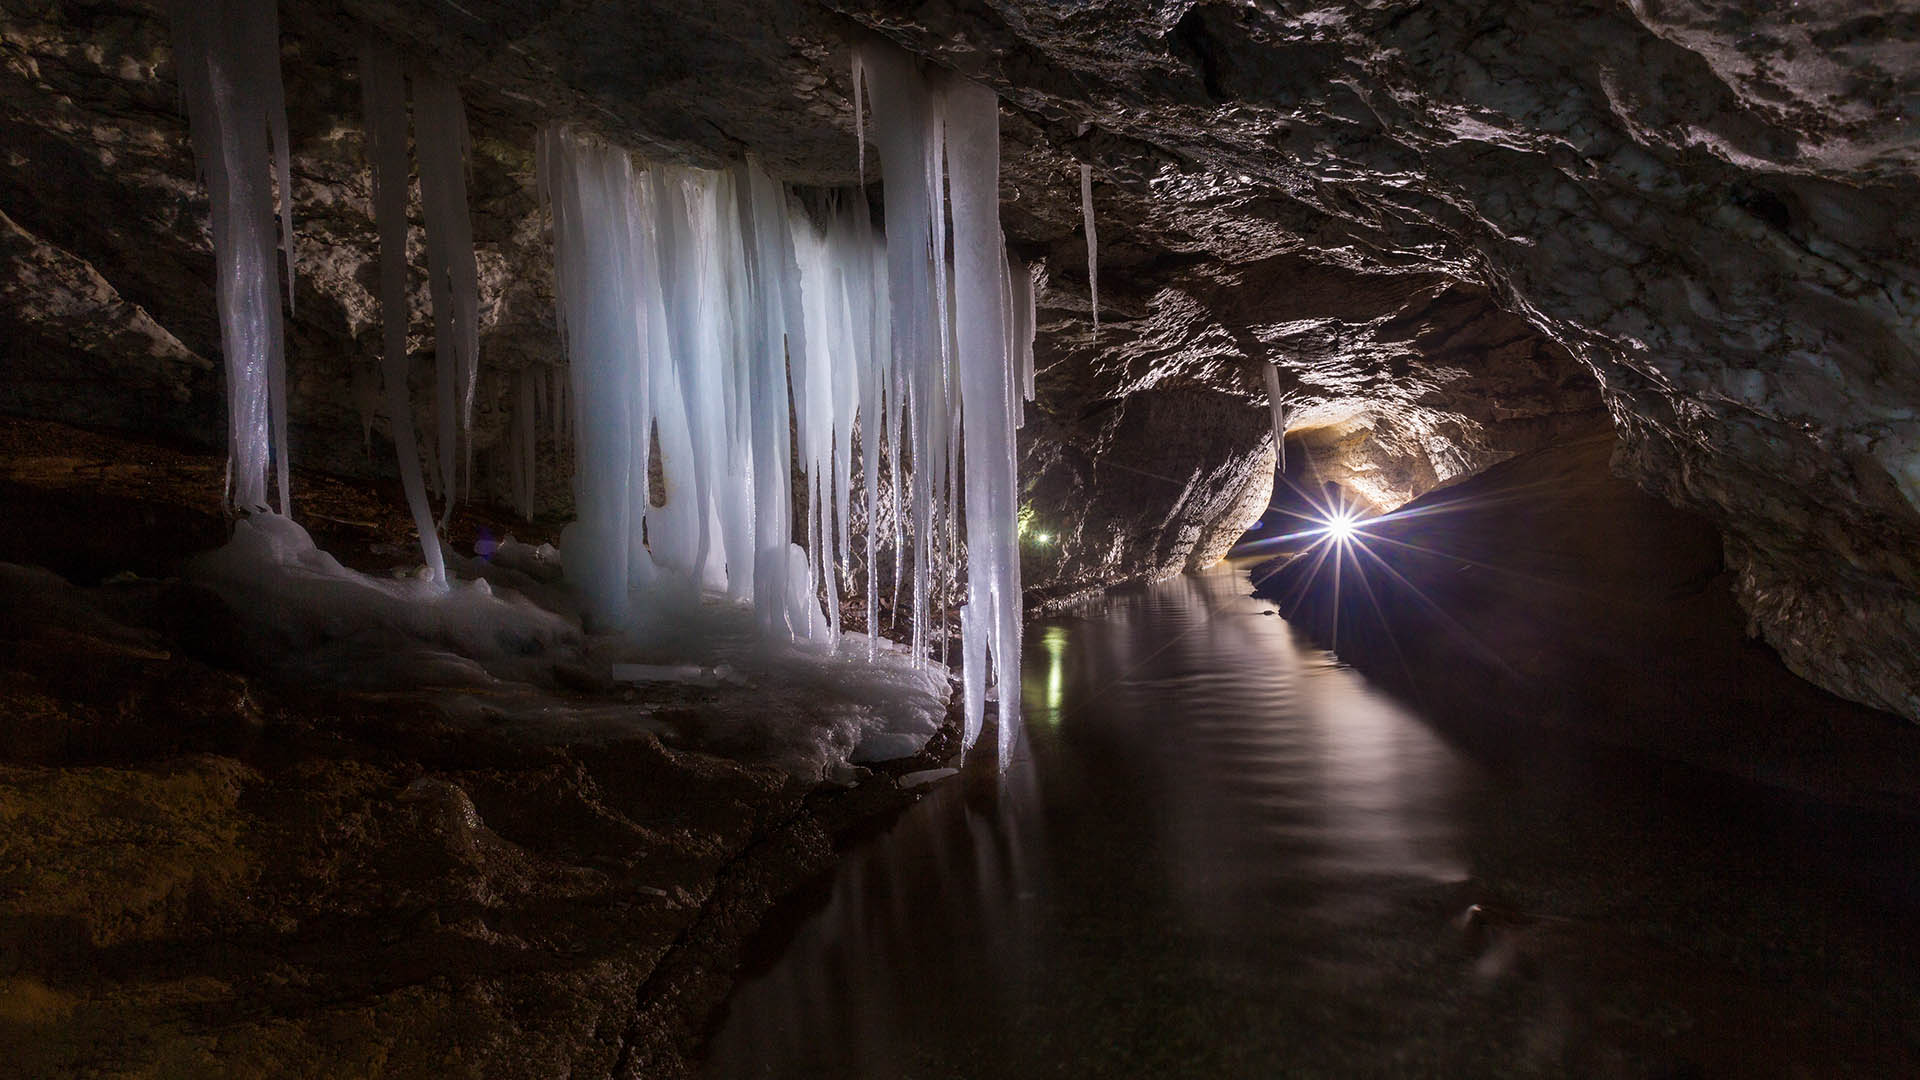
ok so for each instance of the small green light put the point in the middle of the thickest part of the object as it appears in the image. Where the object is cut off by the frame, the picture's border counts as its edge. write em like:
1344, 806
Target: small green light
1044, 538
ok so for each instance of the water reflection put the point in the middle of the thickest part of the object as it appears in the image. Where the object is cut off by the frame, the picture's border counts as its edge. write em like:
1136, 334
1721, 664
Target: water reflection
1219, 853
1193, 818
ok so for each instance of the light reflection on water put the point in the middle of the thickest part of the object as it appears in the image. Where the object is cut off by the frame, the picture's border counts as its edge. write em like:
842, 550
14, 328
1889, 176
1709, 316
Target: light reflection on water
1216, 853
1196, 797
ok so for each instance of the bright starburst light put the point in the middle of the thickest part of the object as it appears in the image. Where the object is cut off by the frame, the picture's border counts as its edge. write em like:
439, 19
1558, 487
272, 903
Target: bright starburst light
1335, 542
1341, 526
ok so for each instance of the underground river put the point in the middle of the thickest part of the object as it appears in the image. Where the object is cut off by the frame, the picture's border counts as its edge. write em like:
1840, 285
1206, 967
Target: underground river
1220, 852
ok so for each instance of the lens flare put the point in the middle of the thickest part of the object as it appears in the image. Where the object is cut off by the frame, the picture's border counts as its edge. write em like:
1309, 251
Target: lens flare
1340, 527
1338, 545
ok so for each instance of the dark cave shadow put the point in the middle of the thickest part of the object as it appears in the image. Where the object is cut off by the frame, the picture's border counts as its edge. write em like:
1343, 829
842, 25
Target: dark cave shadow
1570, 632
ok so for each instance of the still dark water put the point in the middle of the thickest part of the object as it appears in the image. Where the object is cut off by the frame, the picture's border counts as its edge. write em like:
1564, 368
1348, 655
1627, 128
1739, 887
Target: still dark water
1219, 853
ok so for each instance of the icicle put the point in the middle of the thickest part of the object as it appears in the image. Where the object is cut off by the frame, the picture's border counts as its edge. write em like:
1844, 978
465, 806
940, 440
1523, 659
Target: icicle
728, 307
440, 133
1093, 245
1026, 323
523, 445
869, 296
383, 93
228, 56
1017, 296
772, 278
903, 118
859, 119
994, 602
1279, 406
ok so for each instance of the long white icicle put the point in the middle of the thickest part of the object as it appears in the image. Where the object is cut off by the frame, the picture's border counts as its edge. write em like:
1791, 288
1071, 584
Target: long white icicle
991, 619
228, 56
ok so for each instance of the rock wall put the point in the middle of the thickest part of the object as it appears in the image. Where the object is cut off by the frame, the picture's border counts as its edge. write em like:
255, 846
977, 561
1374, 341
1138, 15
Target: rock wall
1458, 229
1710, 205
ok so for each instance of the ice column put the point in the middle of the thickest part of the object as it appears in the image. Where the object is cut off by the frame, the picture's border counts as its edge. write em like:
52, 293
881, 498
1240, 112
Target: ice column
383, 93
228, 54
771, 282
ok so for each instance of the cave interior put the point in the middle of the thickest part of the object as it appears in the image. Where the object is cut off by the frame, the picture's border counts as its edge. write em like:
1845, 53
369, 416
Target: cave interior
441, 694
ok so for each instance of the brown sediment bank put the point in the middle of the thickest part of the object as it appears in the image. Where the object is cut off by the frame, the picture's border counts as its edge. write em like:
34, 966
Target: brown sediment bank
204, 870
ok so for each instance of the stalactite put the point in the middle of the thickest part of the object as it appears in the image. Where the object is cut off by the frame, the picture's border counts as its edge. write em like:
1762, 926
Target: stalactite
1093, 244
1278, 404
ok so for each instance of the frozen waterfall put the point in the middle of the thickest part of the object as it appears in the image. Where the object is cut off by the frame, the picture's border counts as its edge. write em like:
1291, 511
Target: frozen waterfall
727, 338
703, 309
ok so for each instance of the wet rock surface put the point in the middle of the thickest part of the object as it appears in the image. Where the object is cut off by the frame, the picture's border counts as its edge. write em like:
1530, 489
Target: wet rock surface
206, 870
1709, 206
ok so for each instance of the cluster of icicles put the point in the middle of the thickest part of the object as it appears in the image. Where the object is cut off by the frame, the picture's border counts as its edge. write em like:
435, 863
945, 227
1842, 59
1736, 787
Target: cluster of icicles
720, 330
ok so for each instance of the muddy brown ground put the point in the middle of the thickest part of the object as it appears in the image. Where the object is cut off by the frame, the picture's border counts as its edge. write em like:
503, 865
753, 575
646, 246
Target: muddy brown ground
204, 872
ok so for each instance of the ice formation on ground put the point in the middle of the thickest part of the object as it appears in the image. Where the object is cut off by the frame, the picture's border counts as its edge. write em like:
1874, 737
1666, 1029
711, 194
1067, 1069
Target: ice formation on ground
502, 641
336, 626
228, 55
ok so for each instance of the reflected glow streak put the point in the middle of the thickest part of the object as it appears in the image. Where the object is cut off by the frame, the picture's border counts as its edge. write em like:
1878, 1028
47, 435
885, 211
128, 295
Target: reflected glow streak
1055, 642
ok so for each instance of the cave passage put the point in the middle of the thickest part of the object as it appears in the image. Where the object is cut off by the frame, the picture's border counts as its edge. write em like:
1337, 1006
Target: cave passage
1219, 851
1532, 729
1547, 594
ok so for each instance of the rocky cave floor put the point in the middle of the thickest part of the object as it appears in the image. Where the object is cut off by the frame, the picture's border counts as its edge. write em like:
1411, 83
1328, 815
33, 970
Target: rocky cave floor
203, 872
